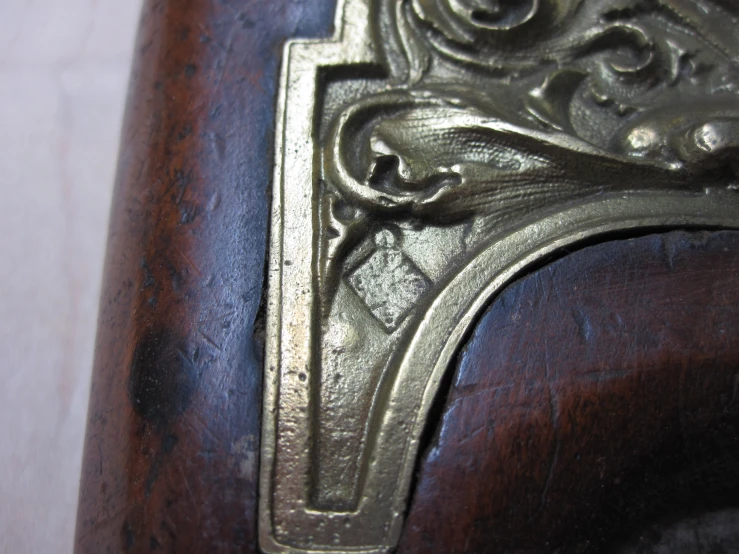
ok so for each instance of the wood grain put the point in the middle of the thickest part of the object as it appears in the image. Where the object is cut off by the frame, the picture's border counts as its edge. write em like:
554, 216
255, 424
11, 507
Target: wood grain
597, 396
171, 456
595, 404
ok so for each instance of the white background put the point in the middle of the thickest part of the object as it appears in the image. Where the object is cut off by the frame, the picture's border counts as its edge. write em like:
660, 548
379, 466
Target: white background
64, 68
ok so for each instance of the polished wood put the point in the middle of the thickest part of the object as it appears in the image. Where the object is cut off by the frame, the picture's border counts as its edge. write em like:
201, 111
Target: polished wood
597, 397
172, 445
595, 405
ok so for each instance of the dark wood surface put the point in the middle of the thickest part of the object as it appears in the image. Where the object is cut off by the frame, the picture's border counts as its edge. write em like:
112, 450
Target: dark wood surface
171, 455
597, 398
595, 406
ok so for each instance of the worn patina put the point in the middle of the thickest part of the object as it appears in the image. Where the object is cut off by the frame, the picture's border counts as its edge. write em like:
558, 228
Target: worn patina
427, 155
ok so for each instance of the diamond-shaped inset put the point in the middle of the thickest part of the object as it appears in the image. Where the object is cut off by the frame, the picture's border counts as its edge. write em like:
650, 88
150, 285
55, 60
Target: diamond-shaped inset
389, 284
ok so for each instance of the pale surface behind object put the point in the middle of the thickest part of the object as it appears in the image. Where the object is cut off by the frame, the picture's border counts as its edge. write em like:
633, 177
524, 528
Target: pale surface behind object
64, 67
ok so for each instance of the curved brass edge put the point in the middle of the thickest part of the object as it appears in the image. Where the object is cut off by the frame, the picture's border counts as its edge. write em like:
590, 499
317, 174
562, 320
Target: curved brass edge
532, 160
455, 310
298, 72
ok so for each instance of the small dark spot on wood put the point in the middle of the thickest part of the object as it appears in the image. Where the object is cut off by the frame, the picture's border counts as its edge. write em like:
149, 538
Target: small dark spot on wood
190, 70
259, 328
145, 48
154, 544
163, 377
184, 132
181, 180
240, 535
149, 283
151, 477
188, 213
175, 276
149, 280
246, 23
127, 536
168, 443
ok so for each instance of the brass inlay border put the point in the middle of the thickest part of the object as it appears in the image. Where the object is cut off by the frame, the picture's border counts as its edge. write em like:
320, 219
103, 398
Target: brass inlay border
465, 146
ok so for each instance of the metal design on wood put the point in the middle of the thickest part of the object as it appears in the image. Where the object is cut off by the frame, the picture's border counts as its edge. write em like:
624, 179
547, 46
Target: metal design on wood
427, 155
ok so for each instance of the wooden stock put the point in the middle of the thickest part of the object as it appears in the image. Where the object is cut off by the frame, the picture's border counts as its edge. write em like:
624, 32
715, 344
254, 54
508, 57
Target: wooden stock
597, 397
172, 446
594, 407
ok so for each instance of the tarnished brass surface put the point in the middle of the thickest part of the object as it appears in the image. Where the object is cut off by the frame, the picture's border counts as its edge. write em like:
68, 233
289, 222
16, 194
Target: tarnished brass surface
427, 155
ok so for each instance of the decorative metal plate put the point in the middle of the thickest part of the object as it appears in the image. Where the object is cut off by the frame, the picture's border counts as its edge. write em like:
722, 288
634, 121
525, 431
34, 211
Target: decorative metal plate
428, 154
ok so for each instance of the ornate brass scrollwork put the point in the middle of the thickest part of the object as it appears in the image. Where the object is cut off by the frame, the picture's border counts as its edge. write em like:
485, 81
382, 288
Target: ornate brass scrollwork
427, 155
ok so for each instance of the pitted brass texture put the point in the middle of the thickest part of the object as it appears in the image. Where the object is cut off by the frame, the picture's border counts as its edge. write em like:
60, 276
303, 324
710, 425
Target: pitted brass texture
428, 154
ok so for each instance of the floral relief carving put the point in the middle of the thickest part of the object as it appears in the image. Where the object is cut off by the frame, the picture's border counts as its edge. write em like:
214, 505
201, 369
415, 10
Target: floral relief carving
496, 91
428, 154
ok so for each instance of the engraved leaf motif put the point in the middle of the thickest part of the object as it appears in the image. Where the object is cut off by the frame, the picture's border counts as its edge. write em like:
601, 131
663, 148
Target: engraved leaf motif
440, 157
550, 102
405, 53
585, 85
468, 21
